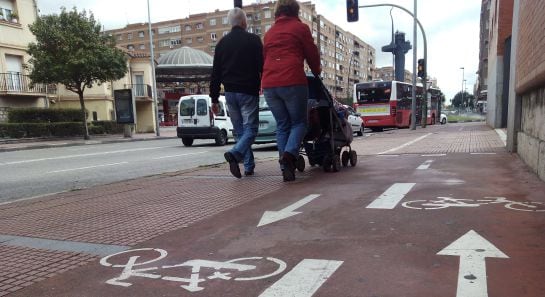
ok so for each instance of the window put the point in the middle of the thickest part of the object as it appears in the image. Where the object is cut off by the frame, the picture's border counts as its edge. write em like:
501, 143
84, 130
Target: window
267, 14
212, 22
202, 107
176, 41
225, 33
257, 30
188, 27
142, 47
189, 40
130, 47
129, 36
213, 36
224, 20
163, 43
267, 28
170, 29
119, 37
199, 26
200, 39
141, 34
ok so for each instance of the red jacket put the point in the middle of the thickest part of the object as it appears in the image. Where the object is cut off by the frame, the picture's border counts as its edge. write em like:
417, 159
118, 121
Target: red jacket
286, 45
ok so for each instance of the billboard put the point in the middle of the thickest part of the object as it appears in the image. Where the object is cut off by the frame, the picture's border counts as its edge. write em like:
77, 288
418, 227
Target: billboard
124, 106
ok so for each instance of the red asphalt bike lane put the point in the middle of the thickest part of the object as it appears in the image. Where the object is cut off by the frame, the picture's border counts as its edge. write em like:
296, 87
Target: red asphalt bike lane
334, 239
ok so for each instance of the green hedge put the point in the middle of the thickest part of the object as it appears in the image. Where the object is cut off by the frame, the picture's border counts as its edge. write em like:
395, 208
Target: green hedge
28, 130
44, 115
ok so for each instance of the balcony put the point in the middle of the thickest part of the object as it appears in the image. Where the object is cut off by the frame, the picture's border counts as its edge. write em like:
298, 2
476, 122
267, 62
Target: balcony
19, 84
140, 91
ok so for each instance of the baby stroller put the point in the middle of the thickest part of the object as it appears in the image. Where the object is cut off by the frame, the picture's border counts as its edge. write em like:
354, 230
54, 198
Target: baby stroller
328, 138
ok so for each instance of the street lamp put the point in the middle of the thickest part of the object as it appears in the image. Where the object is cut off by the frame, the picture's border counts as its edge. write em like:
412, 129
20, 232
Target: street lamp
463, 80
154, 84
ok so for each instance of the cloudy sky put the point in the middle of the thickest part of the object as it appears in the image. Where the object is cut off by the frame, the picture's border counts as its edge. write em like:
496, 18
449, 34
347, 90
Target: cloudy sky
452, 27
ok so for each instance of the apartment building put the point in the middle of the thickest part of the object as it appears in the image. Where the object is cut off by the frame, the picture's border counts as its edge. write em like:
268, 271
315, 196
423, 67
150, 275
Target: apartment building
15, 88
387, 73
345, 57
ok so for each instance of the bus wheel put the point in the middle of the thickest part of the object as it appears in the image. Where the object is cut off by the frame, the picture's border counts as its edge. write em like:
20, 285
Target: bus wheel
377, 129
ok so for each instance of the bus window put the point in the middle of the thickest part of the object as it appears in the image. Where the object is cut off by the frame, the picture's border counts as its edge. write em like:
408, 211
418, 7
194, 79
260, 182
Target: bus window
369, 94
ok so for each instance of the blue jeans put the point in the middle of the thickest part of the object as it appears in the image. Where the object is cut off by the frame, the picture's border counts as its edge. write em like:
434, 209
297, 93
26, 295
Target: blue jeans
289, 108
244, 112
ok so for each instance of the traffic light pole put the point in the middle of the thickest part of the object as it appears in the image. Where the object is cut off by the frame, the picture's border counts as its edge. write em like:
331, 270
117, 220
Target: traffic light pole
424, 79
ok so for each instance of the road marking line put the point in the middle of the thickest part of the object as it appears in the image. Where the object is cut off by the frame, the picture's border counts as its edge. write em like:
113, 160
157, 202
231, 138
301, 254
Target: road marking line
388, 155
180, 155
483, 153
425, 165
391, 197
85, 155
273, 216
502, 136
405, 144
304, 279
58, 245
434, 155
31, 198
88, 167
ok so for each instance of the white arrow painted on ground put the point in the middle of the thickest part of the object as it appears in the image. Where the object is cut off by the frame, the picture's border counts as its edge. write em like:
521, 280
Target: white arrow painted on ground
274, 216
472, 250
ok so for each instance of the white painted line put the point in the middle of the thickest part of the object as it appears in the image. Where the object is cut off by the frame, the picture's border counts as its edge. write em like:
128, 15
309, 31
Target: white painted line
405, 144
483, 153
502, 136
434, 155
180, 155
425, 165
274, 216
472, 249
85, 155
392, 196
31, 198
88, 167
388, 155
304, 279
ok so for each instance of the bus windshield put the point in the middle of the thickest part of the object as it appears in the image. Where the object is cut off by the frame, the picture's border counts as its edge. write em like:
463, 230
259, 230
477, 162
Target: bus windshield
374, 93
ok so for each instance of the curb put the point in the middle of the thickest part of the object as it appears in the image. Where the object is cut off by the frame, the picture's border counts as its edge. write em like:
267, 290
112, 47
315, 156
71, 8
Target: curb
42, 146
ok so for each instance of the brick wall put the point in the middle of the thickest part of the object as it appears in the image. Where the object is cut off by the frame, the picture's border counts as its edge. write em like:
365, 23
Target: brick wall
505, 23
530, 70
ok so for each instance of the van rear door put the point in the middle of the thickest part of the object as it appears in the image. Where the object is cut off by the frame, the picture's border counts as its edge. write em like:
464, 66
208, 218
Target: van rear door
187, 112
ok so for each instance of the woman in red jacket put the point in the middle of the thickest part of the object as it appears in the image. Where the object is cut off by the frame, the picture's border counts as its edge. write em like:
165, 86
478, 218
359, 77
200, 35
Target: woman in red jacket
286, 46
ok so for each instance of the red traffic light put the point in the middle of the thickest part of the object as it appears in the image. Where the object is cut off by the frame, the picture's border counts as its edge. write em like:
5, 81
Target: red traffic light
352, 10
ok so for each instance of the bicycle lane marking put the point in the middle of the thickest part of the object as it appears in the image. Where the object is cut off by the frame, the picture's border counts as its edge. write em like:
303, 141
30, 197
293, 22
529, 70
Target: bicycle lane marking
445, 202
392, 196
302, 281
425, 165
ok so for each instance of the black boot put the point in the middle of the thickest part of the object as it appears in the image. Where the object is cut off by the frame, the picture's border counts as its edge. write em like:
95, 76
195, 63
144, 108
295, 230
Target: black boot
288, 160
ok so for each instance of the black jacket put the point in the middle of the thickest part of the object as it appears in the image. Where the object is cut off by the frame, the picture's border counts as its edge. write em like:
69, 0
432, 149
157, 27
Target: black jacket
238, 64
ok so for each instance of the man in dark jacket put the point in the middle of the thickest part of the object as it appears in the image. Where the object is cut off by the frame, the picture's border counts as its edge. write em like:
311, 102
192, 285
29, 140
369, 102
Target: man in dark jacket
238, 64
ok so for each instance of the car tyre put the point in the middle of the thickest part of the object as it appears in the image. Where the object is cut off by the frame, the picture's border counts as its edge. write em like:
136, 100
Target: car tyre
221, 138
443, 121
360, 132
187, 141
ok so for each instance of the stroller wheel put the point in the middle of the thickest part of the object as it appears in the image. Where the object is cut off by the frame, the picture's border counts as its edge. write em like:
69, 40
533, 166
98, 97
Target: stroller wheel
344, 158
300, 163
336, 164
326, 163
353, 158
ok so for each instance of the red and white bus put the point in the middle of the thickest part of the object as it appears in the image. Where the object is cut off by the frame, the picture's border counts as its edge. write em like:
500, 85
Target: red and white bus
435, 99
386, 104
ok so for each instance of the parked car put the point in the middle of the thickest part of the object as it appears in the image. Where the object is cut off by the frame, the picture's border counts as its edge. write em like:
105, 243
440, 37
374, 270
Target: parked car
197, 121
443, 119
267, 123
355, 120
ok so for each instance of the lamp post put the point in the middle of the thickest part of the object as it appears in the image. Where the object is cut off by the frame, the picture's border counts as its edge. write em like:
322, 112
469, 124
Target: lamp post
463, 80
154, 85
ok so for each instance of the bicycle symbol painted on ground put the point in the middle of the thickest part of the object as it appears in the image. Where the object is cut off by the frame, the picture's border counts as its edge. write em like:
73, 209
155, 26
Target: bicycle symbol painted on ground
445, 202
200, 270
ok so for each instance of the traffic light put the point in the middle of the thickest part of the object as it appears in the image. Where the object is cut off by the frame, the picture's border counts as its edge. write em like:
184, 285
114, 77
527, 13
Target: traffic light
352, 10
421, 68
238, 3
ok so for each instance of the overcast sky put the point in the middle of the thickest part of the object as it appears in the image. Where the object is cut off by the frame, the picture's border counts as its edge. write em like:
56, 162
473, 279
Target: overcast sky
452, 27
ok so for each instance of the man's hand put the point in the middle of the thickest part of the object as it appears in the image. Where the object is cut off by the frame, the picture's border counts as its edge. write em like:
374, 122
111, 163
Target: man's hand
215, 108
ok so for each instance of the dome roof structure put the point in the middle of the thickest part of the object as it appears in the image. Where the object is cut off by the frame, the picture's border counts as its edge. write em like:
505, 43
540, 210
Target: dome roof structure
184, 64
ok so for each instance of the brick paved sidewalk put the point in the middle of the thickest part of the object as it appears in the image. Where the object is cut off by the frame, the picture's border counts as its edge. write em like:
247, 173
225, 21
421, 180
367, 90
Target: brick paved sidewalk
120, 215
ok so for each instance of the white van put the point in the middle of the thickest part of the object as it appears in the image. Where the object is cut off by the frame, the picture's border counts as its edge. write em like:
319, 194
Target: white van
197, 121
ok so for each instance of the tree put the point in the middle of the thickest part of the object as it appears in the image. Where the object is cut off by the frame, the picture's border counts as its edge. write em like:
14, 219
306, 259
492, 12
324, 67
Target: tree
70, 50
468, 100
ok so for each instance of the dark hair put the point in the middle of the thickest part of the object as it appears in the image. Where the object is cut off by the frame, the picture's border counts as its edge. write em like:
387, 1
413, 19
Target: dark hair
287, 8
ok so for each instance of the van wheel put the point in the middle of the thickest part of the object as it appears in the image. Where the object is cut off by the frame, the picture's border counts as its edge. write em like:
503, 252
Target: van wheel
187, 141
443, 121
221, 138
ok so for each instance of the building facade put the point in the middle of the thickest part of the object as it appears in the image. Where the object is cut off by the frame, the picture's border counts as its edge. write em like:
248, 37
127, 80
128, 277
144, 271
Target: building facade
345, 57
15, 86
481, 85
